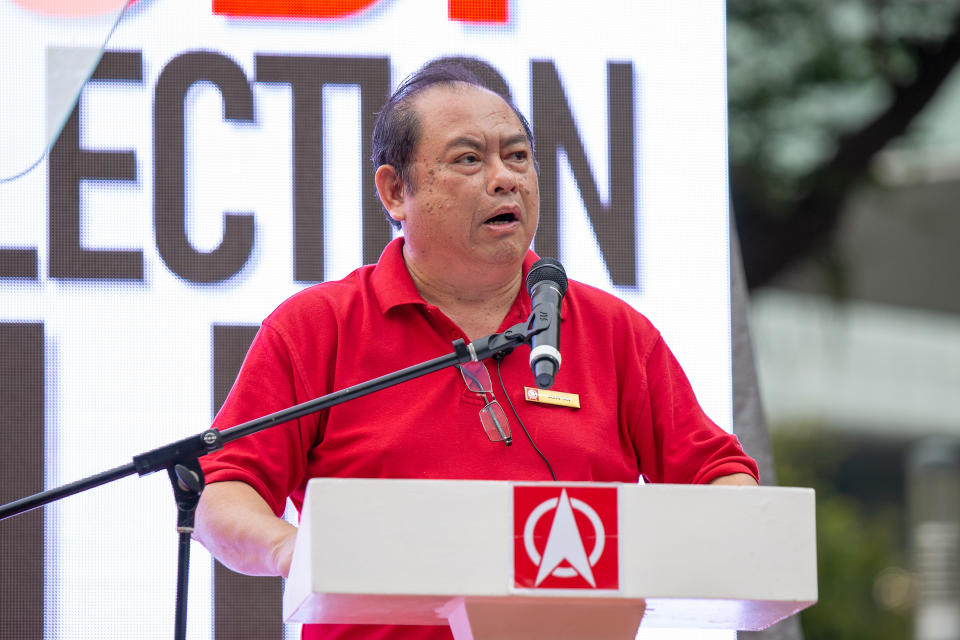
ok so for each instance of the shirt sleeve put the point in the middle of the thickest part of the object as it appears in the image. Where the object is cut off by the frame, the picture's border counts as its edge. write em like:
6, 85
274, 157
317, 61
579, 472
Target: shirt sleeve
272, 461
689, 446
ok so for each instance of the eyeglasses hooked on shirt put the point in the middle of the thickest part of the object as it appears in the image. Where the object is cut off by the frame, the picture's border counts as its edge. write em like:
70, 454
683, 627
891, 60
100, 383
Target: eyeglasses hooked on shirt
492, 417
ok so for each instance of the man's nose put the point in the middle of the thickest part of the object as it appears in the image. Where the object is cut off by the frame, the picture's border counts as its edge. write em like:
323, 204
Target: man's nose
502, 177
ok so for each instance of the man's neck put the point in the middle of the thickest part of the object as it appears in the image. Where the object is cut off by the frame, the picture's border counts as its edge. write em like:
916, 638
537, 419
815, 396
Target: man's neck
477, 304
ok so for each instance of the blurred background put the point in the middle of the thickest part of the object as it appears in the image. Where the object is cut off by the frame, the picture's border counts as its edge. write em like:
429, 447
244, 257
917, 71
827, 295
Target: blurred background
845, 178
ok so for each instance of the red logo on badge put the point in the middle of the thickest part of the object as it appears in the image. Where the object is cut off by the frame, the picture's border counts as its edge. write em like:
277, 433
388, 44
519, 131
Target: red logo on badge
565, 537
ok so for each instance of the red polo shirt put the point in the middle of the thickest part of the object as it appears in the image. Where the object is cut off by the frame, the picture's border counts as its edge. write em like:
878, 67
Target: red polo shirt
637, 411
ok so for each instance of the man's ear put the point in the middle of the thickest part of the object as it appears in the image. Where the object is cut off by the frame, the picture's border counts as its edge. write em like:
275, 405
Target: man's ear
390, 190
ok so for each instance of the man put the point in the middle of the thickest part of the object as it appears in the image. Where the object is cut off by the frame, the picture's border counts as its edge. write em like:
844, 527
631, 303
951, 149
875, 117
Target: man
456, 170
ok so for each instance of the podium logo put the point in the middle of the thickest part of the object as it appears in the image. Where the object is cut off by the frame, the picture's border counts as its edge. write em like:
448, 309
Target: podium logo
565, 537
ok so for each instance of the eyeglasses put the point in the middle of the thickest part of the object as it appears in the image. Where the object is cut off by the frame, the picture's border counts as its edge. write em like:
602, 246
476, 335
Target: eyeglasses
494, 420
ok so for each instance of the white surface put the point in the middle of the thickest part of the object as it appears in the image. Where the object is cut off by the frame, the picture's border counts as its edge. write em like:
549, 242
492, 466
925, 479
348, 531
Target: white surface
40, 83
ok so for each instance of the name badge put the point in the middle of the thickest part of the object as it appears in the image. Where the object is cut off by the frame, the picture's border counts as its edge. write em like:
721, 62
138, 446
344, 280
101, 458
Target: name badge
549, 396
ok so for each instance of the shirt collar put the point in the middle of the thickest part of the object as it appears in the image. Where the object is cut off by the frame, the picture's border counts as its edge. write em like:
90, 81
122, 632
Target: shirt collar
391, 281
394, 286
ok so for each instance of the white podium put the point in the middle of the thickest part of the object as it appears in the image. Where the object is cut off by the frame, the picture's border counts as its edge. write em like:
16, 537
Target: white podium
446, 552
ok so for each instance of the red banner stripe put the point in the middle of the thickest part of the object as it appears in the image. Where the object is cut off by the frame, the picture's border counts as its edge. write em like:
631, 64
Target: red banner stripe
479, 10
290, 8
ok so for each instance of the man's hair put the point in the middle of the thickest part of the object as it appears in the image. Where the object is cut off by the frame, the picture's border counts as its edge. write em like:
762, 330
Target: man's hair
397, 130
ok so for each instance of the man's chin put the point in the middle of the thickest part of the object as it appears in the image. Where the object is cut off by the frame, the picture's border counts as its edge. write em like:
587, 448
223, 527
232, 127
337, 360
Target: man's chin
507, 253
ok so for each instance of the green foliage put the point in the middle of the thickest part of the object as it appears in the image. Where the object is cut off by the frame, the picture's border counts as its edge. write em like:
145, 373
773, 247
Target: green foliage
855, 543
803, 72
816, 90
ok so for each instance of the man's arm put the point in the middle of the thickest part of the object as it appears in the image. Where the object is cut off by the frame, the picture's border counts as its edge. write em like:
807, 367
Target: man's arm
238, 527
736, 479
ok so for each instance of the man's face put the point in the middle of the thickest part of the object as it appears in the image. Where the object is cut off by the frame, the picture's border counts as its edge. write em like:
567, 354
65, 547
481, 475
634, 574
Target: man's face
475, 199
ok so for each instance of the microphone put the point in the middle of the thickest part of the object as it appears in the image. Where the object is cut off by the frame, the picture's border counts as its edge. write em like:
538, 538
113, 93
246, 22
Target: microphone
546, 282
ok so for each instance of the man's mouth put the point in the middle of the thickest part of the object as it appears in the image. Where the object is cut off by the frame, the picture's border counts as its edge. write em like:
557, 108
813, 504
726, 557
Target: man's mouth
505, 217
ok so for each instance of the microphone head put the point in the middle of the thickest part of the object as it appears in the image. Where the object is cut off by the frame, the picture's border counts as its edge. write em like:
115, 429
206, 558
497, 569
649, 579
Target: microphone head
547, 269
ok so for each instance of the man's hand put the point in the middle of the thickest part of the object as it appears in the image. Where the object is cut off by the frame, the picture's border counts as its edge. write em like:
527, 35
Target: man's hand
283, 553
737, 480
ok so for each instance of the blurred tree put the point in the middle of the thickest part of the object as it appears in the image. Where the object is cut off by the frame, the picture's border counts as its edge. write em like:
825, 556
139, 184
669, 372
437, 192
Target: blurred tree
816, 89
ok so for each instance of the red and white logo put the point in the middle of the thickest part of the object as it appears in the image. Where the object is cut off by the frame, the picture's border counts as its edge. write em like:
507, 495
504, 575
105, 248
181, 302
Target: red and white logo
565, 537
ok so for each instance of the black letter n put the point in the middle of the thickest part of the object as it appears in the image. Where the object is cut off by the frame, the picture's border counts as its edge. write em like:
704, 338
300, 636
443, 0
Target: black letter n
615, 223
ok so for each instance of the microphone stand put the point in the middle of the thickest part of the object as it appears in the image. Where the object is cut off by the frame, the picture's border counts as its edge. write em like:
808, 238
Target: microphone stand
181, 458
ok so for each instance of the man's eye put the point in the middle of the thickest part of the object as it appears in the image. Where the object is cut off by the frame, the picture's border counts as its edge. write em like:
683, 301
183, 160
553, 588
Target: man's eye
468, 158
519, 155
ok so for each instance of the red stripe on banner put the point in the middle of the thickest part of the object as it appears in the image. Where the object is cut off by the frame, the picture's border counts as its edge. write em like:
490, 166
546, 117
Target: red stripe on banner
290, 8
478, 10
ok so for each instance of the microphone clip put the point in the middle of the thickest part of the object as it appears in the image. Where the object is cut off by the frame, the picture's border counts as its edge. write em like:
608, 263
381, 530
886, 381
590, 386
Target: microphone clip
499, 345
